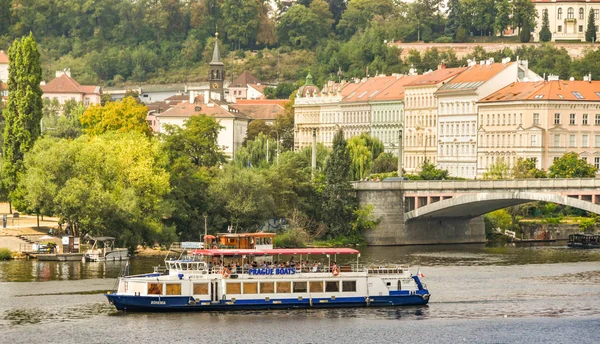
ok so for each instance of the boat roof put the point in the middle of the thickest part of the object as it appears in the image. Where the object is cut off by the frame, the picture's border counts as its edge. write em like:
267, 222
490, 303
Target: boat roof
104, 238
241, 235
270, 252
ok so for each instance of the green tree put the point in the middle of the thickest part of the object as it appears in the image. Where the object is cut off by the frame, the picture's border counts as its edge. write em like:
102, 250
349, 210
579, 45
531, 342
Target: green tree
197, 141
256, 127
284, 125
525, 33
590, 33
23, 109
339, 199
359, 14
240, 20
570, 165
112, 184
430, 172
526, 168
503, 13
122, 116
245, 197
303, 27
545, 33
361, 158
497, 170
524, 13
385, 162
461, 35
454, 18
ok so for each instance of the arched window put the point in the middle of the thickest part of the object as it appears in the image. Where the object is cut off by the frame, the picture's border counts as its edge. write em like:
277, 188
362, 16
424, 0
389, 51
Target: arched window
570, 13
559, 14
581, 13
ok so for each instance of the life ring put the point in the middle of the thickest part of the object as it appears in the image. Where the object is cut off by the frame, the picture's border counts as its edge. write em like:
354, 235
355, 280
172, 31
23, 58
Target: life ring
335, 271
226, 272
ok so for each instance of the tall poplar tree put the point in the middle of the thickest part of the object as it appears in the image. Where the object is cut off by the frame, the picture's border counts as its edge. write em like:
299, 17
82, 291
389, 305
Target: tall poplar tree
590, 33
339, 200
23, 111
545, 34
454, 15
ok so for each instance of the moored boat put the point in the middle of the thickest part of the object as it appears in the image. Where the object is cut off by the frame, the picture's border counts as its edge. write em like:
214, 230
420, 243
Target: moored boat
103, 249
203, 281
584, 241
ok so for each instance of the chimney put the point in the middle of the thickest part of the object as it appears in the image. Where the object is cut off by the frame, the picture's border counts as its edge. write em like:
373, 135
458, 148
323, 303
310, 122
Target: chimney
192, 96
590, 77
585, 78
571, 79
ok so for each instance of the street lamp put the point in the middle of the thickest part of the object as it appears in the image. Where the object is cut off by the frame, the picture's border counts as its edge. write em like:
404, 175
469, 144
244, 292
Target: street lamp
400, 151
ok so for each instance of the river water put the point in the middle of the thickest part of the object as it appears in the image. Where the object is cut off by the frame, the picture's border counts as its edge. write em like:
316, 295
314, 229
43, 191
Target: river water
534, 294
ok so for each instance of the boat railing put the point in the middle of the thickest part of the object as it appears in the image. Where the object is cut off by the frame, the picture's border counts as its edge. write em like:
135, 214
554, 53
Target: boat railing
381, 270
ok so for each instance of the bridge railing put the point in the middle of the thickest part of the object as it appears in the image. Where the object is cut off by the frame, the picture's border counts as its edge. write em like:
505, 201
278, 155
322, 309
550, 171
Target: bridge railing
515, 184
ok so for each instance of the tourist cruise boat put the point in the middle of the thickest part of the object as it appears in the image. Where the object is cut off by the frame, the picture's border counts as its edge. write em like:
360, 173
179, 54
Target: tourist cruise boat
203, 280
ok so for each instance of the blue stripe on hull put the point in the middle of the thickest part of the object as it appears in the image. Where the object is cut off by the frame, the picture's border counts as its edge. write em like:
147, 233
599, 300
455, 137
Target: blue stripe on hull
182, 303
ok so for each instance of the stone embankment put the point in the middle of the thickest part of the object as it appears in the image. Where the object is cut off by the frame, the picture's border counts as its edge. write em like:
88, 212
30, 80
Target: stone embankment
575, 50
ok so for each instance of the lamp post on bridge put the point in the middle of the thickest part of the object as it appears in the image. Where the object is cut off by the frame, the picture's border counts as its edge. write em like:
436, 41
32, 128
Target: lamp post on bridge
400, 152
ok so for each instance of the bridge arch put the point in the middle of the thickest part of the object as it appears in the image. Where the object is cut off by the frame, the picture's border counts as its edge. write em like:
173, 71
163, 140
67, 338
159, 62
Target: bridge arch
477, 204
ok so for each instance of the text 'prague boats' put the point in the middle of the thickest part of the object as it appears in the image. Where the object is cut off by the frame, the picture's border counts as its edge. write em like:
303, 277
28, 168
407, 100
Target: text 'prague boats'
221, 279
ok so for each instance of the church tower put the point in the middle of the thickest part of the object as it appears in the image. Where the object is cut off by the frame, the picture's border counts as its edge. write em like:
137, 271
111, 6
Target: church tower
217, 73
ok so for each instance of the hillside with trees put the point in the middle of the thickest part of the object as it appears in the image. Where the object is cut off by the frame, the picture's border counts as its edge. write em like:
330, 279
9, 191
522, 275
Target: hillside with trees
117, 42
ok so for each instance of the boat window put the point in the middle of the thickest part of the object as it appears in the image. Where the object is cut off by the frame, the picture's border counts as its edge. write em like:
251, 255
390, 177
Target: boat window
348, 286
173, 288
233, 288
284, 287
316, 287
250, 288
332, 286
154, 288
267, 287
300, 287
200, 288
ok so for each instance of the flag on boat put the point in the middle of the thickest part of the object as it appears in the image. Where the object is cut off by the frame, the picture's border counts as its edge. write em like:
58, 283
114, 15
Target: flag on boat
420, 274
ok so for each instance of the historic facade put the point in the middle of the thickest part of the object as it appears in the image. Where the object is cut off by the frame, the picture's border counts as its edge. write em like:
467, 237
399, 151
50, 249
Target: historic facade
64, 88
420, 109
541, 120
457, 110
568, 19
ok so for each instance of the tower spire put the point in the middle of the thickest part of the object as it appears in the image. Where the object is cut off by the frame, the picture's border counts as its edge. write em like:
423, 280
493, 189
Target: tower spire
216, 58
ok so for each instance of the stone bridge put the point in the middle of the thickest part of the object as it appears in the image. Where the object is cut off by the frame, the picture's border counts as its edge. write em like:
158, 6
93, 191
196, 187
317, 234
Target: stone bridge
449, 211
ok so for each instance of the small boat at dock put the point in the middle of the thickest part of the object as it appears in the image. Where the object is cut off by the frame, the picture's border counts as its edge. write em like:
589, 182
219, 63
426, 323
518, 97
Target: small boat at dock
584, 241
203, 280
103, 249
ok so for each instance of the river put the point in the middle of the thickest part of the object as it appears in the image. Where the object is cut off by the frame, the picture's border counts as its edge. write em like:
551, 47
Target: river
513, 294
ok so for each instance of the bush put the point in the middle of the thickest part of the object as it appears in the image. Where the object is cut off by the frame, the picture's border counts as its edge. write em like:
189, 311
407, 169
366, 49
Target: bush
292, 238
5, 254
443, 39
461, 35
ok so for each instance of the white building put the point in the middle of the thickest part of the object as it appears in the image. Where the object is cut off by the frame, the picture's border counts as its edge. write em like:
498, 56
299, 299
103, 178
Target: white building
568, 19
64, 87
3, 67
457, 111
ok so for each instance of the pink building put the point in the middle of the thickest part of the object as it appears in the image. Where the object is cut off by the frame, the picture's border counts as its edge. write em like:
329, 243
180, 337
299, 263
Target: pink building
541, 120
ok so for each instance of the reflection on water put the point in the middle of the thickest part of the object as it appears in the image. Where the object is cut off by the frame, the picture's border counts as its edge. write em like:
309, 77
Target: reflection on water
423, 255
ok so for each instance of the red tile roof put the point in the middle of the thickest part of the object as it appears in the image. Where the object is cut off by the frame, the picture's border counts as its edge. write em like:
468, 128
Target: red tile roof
186, 109
556, 90
66, 84
437, 76
396, 89
244, 79
369, 88
267, 112
3, 57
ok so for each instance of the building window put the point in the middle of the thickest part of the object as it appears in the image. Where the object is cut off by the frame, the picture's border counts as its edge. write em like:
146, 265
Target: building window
559, 16
559, 28
580, 28
597, 141
572, 142
536, 118
597, 162
556, 140
596, 14
534, 140
570, 13
597, 119
581, 14
584, 119
572, 118
584, 140
556, 118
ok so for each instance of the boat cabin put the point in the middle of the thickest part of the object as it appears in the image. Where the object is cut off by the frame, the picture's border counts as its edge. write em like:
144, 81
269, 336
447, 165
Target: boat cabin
243, 241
